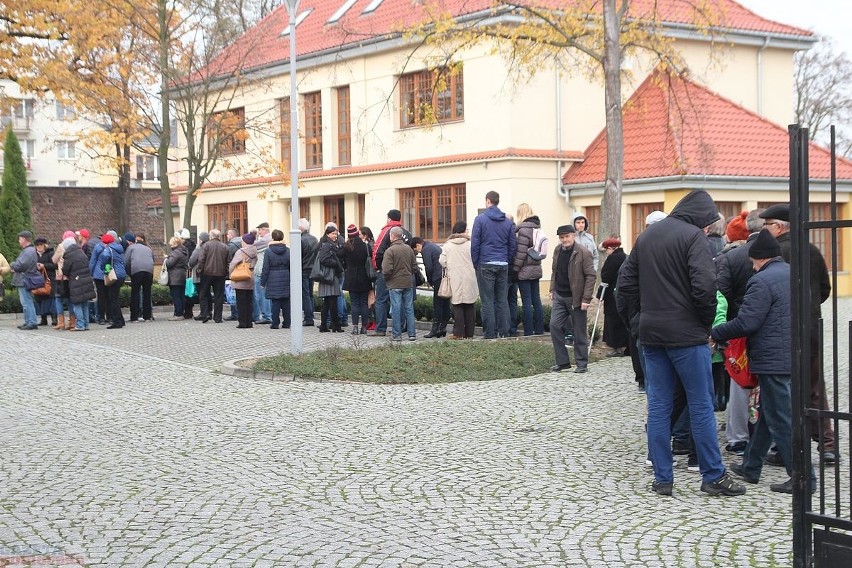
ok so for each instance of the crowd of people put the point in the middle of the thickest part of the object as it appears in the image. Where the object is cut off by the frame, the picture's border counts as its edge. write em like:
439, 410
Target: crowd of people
691, 283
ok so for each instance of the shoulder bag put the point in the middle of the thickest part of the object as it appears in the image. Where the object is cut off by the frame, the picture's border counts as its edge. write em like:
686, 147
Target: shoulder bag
322, 273
445, 290
110, 277
33, 281
45, 289
371, 272
163, 280
241, 272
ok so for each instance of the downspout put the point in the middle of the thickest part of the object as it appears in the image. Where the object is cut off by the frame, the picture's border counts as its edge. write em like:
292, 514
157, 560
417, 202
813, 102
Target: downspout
560, 190
760, 75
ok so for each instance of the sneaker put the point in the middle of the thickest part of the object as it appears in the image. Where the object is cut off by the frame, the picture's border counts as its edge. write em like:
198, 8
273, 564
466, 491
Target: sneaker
412, 337
736, 448
829, 457
724, 486
692, 464
396, 338
649, 463
738, 470
787, 487
374, 333
662, 488
774, 458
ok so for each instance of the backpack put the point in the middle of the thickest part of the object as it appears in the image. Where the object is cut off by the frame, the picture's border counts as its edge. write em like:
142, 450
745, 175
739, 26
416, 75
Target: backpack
540, 243
736, 363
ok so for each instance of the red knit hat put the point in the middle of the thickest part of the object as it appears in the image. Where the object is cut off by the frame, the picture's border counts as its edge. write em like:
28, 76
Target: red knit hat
107, 239
737, 229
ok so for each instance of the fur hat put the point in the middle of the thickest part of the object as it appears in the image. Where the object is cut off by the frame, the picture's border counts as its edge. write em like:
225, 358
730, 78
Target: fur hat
737, 229
611, 242
764, 246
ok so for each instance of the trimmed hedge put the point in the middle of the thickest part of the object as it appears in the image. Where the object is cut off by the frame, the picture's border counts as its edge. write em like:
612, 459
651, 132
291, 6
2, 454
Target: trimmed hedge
160, 296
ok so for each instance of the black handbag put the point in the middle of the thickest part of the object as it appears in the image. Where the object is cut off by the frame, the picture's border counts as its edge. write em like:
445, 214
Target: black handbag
322, 273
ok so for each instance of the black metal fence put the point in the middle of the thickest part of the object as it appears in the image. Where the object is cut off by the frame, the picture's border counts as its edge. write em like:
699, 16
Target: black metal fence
822, 522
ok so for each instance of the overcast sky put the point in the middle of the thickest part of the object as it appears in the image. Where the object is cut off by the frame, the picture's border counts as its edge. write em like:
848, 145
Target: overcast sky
825, 17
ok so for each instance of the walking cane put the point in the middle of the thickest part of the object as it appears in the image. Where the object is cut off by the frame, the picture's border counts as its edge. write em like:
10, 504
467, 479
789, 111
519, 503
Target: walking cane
598, 314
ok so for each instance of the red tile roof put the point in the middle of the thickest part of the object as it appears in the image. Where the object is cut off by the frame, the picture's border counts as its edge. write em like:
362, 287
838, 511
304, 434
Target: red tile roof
678, 128
158, 202
488, 156
265, 45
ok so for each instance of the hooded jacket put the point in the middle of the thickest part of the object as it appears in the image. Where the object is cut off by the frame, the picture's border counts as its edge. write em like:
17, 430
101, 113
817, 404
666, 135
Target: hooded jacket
113, 254
455, 257
492, 239
670, 279
275, 274
177, 264
586, 239
523, 265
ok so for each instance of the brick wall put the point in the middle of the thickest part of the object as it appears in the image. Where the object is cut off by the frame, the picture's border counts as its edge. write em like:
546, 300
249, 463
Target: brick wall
56, 209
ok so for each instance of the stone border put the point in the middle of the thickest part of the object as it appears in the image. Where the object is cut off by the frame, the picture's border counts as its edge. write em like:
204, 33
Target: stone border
232, 369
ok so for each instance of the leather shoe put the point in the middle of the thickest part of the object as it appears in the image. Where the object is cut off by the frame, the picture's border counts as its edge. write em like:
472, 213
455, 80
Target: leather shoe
27, 327
557, 368
737, 468
774, 458
114, 326
581, 369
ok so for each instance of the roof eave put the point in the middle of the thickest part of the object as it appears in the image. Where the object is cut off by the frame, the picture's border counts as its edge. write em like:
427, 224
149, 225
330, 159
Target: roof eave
667, 183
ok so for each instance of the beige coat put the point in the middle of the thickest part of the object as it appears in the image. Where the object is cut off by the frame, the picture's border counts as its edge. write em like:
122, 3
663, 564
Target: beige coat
247, 253
59, 260
455, 257
4, 266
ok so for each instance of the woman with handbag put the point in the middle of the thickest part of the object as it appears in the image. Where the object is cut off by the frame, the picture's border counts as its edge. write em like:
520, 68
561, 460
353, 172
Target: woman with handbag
176, 264
244, 260
329, 286
456, 260
46, 305
111, 264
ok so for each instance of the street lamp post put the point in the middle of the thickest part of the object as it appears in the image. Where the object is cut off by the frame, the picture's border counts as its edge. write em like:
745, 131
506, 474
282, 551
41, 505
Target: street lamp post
295, 234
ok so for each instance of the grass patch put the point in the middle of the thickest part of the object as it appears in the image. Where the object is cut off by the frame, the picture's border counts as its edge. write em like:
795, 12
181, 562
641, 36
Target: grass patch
421, 363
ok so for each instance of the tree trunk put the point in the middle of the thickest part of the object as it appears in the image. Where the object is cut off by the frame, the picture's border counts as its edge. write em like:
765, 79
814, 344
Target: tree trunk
166, 126
122, 152
611, 202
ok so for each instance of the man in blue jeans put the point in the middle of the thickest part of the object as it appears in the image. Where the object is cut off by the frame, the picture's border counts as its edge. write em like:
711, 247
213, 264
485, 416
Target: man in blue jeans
492, 248
310, 246
764, 319
25, 264
382, 244
669, 279
398, 266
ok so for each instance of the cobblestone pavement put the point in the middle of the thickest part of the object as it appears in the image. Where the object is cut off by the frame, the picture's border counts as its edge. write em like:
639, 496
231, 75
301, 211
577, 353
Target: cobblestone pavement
124, 448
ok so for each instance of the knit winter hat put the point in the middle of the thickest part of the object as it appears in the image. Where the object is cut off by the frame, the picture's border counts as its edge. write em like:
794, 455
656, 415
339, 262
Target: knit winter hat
67, 234
248, 238
107, 239
203, 236
764, 246
352, 231
737, 229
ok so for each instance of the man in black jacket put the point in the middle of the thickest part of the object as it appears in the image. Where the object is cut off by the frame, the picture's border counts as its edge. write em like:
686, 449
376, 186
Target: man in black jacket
777, 220
310, 246
440, 306
670, 275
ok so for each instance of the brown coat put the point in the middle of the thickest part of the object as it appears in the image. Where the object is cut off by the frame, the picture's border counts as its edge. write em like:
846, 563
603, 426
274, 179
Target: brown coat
581, 271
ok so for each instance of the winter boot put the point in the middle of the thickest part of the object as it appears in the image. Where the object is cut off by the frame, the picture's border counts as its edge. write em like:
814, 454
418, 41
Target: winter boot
43, 320
433, 332
60, 322
442, 330
72, 322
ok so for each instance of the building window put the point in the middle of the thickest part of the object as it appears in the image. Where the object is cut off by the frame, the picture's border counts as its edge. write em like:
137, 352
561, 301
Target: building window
344, 128
305, 208
431, 96
28, 148
228, 216
821, 238
226, 132
333, 212
147, 167
593, 216
64, 112
284, 113
67, 183
729, 208
430, 212
313, 130
66, 149
638, 213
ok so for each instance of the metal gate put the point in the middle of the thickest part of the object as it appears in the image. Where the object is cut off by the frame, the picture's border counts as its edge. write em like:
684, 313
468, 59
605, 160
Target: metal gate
822, 522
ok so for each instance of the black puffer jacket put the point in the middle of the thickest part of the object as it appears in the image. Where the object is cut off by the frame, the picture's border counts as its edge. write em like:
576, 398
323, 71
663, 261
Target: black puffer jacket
275, 276
820, 284
764, 318
671, 274
75, 267
733, 271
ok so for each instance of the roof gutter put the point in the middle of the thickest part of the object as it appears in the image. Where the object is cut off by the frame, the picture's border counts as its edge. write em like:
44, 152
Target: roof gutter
760, 75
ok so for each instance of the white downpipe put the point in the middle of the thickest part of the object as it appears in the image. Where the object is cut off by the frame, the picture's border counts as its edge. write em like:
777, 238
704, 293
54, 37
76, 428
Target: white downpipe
760, 75
559, 189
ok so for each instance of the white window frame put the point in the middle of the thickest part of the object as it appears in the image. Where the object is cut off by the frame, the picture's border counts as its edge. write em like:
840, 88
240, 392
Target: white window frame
64, 112
66, 150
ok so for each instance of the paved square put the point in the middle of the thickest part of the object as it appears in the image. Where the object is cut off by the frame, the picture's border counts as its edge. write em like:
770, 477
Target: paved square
127, 448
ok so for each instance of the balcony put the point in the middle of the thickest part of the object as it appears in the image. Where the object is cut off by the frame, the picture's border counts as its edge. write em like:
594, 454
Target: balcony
19, 124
